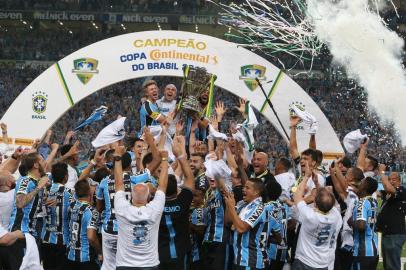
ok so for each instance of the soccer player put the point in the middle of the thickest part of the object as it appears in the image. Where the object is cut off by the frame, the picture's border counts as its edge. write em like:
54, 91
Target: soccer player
105, 202
279, 213
197, 165
167, 105
320, 226
174, 239
249, 237
150, 114
198, 221
364, 222
83, 244
138, 221
55, 228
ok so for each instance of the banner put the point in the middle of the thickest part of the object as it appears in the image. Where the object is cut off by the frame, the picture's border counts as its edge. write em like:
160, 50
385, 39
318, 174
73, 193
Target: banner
162, 53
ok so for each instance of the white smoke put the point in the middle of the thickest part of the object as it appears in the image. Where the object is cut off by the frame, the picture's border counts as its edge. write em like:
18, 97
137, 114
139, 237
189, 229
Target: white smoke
370, 52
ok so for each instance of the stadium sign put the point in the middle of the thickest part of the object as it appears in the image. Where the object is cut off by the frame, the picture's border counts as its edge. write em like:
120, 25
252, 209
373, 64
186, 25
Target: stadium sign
162, 53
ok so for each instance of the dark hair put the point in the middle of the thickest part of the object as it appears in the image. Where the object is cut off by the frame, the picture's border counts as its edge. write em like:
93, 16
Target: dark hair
172, 187
126, 161
371, 185
258, 185
346, 162
27, 163
374, 162
132, 140
286, 164
357, 174
274, 190
100, 174
148, 83
65, 148
147, 159
59, 171
82, 189
311, 153
258, 149
198, 155
319, 156
324, 200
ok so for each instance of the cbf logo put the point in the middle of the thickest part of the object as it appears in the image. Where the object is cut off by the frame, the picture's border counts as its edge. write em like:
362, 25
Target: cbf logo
250, 72
39, 104
85, 68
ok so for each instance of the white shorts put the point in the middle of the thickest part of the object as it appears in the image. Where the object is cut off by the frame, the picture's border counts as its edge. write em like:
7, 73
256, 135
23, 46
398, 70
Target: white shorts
109, 243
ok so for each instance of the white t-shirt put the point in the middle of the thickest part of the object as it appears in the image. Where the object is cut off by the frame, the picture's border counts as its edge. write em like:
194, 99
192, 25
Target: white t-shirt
317, 236
3, 231
347, 232
165, 108
6, 207
72, 177
286, 180
138, 227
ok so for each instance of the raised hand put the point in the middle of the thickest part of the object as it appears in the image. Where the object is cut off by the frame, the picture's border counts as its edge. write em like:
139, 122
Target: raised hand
178, 146
179, 128
220, 109
241, 107
294, 121
119, 150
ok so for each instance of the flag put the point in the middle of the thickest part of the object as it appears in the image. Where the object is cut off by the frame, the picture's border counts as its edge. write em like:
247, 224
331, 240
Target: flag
95, 116
110, 134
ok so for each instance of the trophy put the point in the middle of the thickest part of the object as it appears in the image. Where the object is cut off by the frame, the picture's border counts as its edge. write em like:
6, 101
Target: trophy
196, 81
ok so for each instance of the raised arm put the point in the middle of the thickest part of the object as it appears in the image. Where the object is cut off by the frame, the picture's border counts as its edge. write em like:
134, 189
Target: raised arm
12, 163
163, 177
178, 149
51, 157
293, 149
337, 185
385, 180
23, 199
3, 127
361, 161
299, 194
118, 168
154, 150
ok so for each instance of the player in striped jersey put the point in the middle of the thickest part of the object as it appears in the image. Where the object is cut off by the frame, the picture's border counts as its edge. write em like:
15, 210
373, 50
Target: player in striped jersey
105, 202
29, 193
149, 113
198, 221
279, 213
83, 244
215, 236
364, 222
248, 221
55, 227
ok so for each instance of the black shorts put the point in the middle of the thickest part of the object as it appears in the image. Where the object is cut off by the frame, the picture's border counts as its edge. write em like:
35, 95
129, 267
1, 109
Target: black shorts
12, 256
214, 255
70, 265
365, 263
53, 256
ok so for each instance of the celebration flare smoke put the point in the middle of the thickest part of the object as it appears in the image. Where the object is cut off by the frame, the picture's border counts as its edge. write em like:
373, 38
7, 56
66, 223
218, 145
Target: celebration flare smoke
353, 30
359, 40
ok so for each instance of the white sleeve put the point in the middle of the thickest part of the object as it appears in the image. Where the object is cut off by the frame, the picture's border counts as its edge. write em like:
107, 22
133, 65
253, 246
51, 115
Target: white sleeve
305, 212
3, 231
158, 203
120, 203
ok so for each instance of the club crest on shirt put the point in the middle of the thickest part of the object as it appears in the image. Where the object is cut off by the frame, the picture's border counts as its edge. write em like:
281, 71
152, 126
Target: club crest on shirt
85, 68
250, 73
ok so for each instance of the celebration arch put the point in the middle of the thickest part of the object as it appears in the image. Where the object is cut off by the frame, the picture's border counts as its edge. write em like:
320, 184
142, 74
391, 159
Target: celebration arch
160, 53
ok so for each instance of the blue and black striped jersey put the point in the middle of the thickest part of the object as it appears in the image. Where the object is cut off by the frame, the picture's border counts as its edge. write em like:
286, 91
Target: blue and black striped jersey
149, 114
55, 227
198, 217
278, 214
215, 216
106, 192
249, 247
366, 242
82, 217
25, 219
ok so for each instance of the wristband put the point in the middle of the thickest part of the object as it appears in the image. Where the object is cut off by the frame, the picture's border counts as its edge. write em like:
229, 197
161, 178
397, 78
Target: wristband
180, 157
117, 158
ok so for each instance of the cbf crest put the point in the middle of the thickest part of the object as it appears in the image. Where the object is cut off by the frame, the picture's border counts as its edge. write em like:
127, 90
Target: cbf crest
85, 68
39, 102
250, 73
